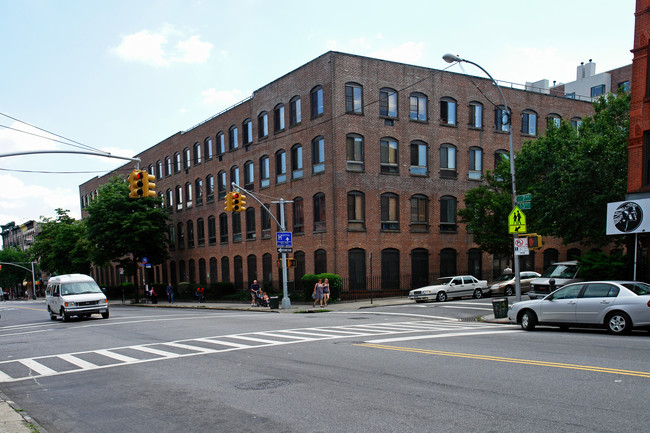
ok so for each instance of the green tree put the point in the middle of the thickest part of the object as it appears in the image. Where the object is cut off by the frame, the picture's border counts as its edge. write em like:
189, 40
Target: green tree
124, 230
10, 275
486, 211
573, 174
61, 247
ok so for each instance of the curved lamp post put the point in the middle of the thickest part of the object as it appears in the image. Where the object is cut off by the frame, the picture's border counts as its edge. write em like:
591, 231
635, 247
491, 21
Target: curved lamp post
451, 58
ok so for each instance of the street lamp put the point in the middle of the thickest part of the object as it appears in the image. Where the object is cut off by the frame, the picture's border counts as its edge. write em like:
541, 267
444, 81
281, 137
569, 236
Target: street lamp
451, 58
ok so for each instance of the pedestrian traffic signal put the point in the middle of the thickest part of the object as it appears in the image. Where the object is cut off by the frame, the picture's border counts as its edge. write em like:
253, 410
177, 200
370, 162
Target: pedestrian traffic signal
291, 263
534, 241
236, 201
149, 187
136, 184
228, 202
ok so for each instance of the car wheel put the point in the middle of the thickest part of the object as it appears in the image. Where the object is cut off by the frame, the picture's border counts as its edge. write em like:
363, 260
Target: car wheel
618, 323
441, 296
52, 315
478, 294
64, 316
508, 291
528, 320
105, 315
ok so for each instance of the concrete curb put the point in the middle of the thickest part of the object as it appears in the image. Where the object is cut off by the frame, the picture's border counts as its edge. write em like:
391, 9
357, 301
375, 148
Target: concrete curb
13, 419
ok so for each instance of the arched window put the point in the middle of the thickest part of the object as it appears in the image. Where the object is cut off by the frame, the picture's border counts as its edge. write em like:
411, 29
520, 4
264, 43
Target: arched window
186, 158
553, 120
296, 161
448, 161
388, 102
319, 212
197, 153
448, 214
212, 230
320, 261
198, 191
448, 111
418, 107
209, 182
389, 211
280, 166
529, 122
250, 223
249, 175
357, 269
419, 158
188, 194
247, 130
448, 262
502, 119
221, 144
168, 166
223, 228
207, 145
419, 268
169, 198
234, 174
475, 115
390, 269
263, 124
317, 103
233, 138
278, 118
298, 215
159, 169
177, 162
353, 98
179, 197
475, 163
200, 232
356, 211
264, 172
295, 112
354, 152
318, 154
389, 155
190, 234
221, 185
419, 213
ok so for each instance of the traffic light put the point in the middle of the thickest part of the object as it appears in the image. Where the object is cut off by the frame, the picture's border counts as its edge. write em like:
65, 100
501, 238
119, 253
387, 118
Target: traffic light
228, 202
149, 188
136, 184
534, 241
236, 201
291, 263
242, 202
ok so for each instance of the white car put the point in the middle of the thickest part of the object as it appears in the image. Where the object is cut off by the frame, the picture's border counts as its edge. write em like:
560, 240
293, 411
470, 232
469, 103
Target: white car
75, 295
505, 284
450, 287
618, 306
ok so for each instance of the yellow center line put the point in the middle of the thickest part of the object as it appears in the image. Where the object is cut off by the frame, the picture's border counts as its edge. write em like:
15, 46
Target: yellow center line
27, 308
510, 360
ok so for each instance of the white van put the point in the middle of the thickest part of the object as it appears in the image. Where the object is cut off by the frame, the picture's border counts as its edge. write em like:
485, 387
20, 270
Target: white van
74, 295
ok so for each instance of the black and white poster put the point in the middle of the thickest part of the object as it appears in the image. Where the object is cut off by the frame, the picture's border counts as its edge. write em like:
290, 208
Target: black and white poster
625, 217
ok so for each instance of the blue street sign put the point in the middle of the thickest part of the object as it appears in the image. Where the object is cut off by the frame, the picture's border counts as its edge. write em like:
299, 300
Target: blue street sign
283, 240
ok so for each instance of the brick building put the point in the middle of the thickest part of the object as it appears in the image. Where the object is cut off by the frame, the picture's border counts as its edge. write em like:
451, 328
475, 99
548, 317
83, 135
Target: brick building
375, 157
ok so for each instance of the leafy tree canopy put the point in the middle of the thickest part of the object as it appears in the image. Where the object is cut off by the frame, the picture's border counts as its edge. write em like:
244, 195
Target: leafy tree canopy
125, 230
61, 247
572, 175
11, 275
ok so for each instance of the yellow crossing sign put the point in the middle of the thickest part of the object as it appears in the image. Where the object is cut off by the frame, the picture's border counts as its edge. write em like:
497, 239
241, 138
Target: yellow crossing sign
517, 221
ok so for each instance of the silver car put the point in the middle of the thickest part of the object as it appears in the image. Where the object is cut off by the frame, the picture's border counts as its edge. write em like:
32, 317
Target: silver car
618, 306
505, 284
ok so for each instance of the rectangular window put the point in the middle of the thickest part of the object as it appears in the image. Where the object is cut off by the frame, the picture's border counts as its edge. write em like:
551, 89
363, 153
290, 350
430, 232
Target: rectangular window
475, 164
318, 155
295, 112
501, 120
280, 167
388, 103
236, 227
353, 99
278, 119
264, 172
317, 102
233, 139
356, 212
296, 162
419, 215
624, 86
597, 90
250, 225
319, 213
354, 152
221, 144
263, 125
298, 216
212, 231
389, 213
418, 108
476, 116
388, 156
448, 112
419, 159
248, 132
529, 123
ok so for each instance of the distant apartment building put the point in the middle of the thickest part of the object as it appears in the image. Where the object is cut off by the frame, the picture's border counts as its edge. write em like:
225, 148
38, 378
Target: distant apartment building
19, 236
374, 157
590, 85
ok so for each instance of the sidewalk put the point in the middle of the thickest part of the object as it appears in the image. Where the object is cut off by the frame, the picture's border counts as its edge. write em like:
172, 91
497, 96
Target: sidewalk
14, 420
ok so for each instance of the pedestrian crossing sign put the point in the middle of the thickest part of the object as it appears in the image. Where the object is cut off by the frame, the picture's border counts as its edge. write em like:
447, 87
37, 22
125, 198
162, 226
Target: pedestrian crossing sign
517, 221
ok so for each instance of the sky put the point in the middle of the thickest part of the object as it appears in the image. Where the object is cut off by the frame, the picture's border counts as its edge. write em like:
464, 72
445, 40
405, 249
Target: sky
120, 76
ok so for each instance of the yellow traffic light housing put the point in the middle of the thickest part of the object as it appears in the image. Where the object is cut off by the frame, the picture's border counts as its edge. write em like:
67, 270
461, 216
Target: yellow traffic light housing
228, 202
149, 187
136, 184
236, 201
534, 241
242, 202
291, 263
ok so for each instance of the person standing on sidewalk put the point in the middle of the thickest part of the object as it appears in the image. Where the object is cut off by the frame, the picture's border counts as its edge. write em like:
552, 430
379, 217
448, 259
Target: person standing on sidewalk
199, 292
326, 291
255, 288
170, 293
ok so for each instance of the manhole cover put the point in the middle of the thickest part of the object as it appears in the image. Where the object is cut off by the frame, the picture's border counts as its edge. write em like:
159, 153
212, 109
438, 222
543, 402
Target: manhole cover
263, 384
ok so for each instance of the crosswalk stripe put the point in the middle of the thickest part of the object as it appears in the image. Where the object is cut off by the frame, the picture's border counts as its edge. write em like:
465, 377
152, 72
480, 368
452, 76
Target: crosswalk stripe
77, 361
37, 367
115, 356
156, 352
5, 377
258, 340
281, 334
190, 347
224, 343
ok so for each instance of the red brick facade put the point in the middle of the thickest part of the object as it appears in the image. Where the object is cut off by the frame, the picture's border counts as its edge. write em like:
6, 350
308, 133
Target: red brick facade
327, 246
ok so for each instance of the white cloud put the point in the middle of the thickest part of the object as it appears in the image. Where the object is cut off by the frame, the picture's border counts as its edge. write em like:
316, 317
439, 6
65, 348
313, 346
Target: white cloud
222, 98
408, 52
153, 48
30, 139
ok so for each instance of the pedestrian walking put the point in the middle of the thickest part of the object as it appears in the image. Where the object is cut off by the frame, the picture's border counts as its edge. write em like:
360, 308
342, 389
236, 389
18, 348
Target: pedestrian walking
318, 293
326, 291
199, 292
154, 296
255, 288
170, 294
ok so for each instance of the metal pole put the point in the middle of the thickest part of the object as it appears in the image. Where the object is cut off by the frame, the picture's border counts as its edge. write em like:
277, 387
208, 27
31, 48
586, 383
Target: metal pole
33, 281
286, 302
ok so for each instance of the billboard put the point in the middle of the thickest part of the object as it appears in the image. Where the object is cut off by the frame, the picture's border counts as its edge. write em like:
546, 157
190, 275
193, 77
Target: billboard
626, 217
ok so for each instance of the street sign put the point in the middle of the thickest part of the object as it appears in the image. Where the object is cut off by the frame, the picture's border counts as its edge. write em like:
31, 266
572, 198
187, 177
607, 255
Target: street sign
517, 221
524, 197
285, 250
283, 240
521, 247
524, 205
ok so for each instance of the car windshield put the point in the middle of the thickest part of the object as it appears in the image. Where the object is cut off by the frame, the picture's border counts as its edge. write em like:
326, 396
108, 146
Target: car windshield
504, 277
443, 281
560, 271
638, 288
80, 288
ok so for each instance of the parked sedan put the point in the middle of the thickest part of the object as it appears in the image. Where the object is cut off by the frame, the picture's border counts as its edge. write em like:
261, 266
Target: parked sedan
450, 287
618, 306
505, 284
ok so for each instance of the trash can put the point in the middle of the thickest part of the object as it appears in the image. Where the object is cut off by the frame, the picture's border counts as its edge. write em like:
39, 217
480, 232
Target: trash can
274, 302
500, 308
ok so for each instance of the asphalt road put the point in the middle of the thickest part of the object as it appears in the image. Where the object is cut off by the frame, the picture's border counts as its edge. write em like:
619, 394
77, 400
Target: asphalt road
404, 368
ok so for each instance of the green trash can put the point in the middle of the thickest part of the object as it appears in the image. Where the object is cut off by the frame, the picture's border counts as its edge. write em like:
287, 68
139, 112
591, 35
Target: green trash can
274, 302
500, 308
